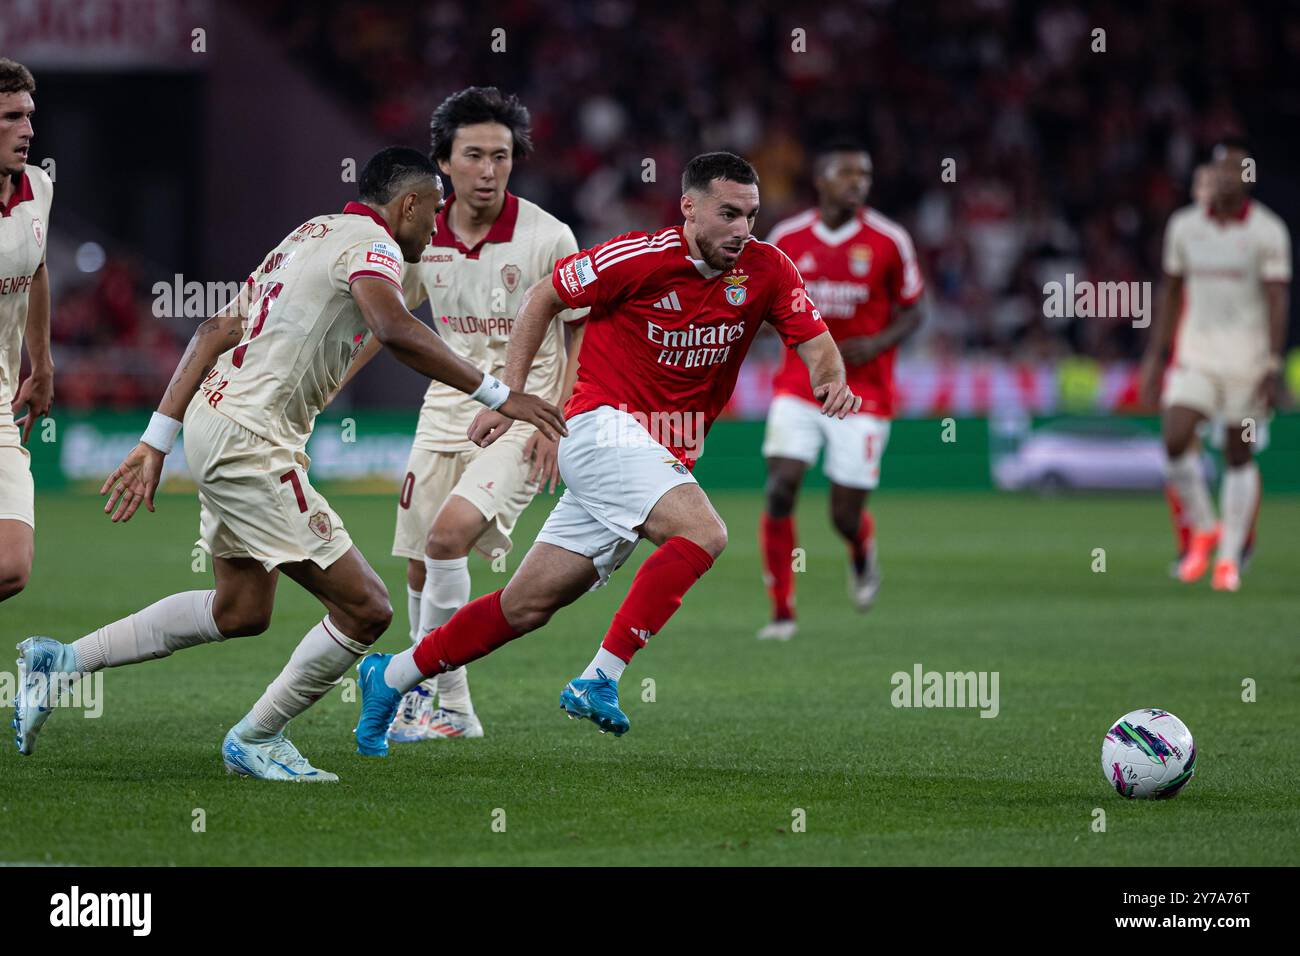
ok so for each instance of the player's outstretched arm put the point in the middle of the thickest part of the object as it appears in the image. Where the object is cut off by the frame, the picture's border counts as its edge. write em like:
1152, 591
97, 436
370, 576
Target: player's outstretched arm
540, 306
1168, 305
826, 372
37, 391
136, 479
416, 345
541, 453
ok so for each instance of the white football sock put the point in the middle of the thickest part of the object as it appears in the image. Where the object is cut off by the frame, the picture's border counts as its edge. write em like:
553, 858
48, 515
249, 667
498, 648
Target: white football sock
181, 620
318, 663
413, 613
1184, 473
453, 691
446, 591
1238, 498
611, 664
401, 673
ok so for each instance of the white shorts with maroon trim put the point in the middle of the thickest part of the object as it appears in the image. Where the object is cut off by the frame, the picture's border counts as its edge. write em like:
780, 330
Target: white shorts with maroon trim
255, 500
854, 446
614, 473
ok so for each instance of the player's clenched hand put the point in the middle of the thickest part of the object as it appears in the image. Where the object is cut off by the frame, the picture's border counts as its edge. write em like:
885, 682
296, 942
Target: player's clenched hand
37, 394
543, 416
133, 481
542, 455
838, 400
1271, 390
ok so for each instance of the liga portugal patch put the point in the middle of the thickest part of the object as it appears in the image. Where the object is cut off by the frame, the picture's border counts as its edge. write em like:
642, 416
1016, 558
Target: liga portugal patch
320, 526
510, 276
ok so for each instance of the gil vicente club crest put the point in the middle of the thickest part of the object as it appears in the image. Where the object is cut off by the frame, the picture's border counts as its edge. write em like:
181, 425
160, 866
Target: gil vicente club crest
736, 291
510, 277
320, 526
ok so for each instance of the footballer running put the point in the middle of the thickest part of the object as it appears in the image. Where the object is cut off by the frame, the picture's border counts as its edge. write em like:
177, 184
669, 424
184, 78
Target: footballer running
672, 315
247, 391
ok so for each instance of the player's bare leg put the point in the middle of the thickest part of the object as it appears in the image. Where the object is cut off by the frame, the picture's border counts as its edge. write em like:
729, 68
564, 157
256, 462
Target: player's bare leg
853, 521
549, 578
777, 536
437, 588
1238, 504
1183, 472
17, 548
238, 606
358, 613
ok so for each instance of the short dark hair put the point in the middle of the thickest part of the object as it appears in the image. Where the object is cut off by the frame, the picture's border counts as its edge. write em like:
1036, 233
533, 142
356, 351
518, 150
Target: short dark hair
702, 170
391, 170
15, 78
840, 144
479, 104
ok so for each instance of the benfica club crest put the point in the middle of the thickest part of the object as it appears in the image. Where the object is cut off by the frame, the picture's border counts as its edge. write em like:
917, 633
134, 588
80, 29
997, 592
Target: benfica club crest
860, 260
510, 276
736, 291
319, 523
38, 230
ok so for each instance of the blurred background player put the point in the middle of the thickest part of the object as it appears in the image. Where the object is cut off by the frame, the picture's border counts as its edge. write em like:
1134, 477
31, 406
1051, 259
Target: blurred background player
249, 389
489, 248
1227, 272
862, 272
26, 194
673, 315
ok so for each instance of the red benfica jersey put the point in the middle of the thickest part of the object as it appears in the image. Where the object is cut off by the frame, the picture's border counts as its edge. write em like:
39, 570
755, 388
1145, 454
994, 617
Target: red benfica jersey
666, 334
856, 274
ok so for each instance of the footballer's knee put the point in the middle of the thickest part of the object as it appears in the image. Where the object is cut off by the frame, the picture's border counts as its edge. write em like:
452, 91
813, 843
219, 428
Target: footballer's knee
13, 578
456, 526
710, 534
240, 620
528, 612
371, 615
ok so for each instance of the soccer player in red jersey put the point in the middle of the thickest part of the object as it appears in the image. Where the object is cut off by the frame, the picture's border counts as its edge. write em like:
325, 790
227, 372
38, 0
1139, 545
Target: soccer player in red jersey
862, 272
672, 316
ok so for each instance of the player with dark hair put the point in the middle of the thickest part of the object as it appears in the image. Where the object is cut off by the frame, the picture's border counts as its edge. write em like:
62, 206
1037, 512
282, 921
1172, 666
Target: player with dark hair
672, 315
26, 194
249, 388
862, 271
1227, 267
456, 497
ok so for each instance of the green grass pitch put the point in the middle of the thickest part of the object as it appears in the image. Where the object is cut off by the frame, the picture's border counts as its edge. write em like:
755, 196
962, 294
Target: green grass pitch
740, 734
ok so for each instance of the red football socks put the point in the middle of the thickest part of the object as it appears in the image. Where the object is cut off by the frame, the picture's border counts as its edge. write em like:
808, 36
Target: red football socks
776, 536
474, 631
655, 595
860, 545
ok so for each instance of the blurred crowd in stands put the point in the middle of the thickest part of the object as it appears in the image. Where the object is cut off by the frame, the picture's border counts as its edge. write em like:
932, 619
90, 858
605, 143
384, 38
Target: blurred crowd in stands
1071, 147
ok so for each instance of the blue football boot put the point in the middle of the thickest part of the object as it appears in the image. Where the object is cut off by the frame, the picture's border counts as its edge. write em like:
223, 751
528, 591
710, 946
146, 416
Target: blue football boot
597, 701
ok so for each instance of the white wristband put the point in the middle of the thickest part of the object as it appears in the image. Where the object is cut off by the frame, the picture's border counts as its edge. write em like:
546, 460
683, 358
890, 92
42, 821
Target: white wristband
161, 433
492, 392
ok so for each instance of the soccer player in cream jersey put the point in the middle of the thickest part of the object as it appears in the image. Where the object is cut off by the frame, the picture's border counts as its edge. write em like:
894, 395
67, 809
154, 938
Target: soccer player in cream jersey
456, 497
249, 388
25, 196
1227, 271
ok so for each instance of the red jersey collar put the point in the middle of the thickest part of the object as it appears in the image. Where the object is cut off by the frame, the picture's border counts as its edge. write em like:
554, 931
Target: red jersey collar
361, 209
503, 230
1239, 216
22, 193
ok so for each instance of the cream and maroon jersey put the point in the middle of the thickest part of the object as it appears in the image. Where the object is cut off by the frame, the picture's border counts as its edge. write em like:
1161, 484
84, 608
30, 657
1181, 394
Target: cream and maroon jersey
474, 295
24, 222
1224, 323
304, 328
